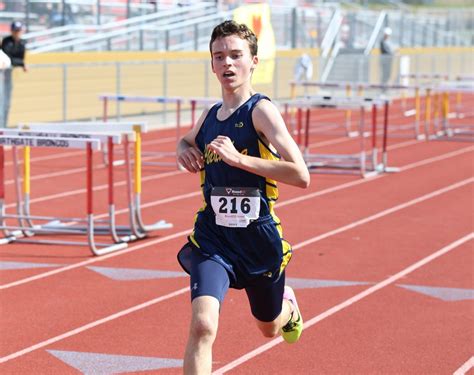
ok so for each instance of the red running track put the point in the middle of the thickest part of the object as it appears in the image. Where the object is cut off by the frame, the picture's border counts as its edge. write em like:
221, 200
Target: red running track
368, 253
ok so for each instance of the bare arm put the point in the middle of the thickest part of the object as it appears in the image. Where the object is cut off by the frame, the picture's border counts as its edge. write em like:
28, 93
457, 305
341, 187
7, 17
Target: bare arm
268, 122
188, 154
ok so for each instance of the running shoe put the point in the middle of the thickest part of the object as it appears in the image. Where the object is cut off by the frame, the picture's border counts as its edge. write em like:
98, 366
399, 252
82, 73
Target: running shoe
291, 331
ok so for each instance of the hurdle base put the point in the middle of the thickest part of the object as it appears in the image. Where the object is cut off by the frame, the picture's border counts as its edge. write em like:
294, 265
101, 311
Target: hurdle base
386, 169
161, 224
420, 137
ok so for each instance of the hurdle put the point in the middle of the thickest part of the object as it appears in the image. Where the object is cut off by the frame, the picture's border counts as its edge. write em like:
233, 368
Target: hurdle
131, 132
361, 88
362, 163
110, 139
178, 101
27, 231
203, 101
421, 78
107, 98
23, 208
328, 128
444, 129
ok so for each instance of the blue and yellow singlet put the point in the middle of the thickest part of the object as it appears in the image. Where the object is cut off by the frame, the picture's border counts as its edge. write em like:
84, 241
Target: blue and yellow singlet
259, 248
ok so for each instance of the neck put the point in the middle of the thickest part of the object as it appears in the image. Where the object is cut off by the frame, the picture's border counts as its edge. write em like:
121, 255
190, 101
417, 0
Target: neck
234, 99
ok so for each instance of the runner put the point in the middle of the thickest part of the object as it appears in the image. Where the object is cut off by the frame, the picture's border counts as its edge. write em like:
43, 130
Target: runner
237, 240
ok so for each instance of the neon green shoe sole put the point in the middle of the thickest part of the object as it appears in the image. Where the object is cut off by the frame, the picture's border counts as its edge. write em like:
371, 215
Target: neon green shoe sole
291, 332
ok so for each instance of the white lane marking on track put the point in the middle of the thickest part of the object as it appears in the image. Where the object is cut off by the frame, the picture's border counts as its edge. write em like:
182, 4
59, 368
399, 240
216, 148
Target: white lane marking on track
465, 367
96, 188
82, 169
385, 212
67, 172
347, 303
119, 314
435, 158
94, 324
173, 173
95, 259
362, 181
170, 237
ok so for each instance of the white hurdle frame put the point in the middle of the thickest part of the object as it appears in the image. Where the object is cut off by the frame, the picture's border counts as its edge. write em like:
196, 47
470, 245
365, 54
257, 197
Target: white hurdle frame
359, 87
106, 98
328, 163
446, 131
176, 100
132, 131
23, 234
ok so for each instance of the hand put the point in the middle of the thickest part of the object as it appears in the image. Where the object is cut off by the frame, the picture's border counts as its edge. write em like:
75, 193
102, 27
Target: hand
191, 159
225, 148
25, 69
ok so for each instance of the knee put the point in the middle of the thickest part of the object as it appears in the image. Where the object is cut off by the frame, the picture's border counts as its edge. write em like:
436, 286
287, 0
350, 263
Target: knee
203, 327
269, 330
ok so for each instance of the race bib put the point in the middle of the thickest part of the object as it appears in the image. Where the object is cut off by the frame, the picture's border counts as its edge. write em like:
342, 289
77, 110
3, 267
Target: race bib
235, 207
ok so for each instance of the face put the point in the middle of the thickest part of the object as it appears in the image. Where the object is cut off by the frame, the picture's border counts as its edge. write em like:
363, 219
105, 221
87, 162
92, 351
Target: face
16, 34
232, 61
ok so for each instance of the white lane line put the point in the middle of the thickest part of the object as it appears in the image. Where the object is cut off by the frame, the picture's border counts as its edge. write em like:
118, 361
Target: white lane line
386, 212
96, 188
436, 158
363, 181
67, 172
162, 239
119, 314
465, 367
94, 324
174, 173
96, 259
347, 303
285, 203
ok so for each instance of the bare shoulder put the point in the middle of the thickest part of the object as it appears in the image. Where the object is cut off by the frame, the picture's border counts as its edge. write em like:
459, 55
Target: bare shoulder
266, 115
265, 107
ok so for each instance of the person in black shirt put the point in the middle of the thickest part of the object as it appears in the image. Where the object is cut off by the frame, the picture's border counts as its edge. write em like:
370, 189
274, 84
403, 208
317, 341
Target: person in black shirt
387, 51
14, 47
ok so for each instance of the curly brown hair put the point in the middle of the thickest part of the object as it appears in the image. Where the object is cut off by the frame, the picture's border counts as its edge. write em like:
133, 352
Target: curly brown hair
228, 28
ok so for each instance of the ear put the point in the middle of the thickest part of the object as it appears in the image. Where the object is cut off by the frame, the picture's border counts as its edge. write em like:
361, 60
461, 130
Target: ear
254, 62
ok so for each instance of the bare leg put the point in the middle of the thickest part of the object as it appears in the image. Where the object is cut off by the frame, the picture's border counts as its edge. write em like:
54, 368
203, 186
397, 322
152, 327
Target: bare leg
204, 323
272, 329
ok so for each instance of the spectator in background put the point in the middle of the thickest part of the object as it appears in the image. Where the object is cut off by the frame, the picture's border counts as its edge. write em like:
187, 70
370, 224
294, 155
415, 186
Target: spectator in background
14, 47
303, 68
387, 51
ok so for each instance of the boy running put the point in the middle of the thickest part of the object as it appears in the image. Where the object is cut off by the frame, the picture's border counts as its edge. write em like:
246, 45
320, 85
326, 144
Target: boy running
241, 147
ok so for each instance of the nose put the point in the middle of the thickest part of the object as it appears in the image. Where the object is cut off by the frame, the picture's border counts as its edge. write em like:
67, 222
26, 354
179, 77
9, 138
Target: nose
227, 60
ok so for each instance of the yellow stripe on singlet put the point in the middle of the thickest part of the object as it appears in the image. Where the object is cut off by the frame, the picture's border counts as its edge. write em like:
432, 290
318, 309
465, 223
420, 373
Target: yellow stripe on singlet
202, 175
271, 191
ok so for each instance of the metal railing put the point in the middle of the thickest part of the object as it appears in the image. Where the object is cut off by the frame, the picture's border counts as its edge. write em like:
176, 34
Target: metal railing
101, 37
44, 14
376, 33
294, 27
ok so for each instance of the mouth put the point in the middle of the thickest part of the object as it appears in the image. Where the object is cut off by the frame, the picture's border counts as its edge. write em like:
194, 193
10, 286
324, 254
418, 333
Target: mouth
228, 74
